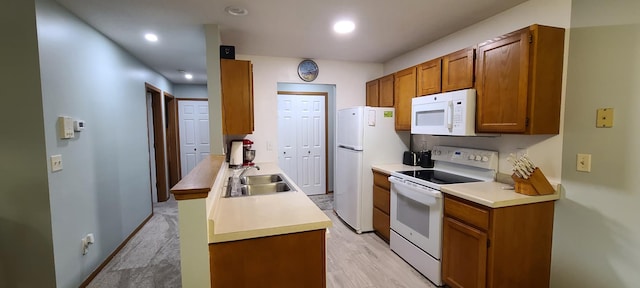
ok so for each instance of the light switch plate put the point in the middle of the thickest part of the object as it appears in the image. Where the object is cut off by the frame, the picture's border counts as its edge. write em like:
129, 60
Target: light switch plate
583, 162
604, 118
56, 163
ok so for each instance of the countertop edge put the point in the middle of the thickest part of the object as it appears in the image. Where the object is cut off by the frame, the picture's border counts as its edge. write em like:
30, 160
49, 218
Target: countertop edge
266, 232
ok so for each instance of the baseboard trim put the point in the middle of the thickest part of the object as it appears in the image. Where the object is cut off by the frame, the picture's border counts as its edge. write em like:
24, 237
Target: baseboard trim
106, 261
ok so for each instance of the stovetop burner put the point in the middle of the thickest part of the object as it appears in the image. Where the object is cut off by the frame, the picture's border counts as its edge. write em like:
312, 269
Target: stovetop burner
438, 177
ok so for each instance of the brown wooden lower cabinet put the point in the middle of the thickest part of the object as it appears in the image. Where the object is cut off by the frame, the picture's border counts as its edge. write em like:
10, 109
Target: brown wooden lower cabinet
496, 247
381, 224
289, 260
381, 205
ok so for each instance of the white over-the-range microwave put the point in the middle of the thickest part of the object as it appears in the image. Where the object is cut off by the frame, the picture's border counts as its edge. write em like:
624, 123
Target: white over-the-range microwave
450, 113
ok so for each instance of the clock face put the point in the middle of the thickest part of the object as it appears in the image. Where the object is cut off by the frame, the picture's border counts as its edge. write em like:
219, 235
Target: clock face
308, 70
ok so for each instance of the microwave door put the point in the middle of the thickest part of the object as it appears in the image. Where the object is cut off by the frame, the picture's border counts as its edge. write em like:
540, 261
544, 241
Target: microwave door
432, 118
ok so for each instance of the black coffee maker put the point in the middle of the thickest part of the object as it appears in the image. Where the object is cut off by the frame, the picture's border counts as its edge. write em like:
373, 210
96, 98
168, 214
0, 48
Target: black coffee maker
425, 159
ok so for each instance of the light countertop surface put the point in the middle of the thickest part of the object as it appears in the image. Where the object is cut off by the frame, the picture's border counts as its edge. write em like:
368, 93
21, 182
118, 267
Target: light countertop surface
490, 194
237, 218
494, 194
388, 168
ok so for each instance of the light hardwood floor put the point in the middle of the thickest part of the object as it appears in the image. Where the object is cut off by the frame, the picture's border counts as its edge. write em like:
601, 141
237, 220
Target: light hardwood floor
365, 261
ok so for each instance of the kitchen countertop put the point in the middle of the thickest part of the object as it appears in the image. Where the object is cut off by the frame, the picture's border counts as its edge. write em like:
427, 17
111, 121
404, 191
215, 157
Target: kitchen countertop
388, 168
237, 218
490, 194
493, 194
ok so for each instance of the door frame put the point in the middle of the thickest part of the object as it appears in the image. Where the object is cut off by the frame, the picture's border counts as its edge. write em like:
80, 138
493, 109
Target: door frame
178, 129
173, 150
325, 95
158, 135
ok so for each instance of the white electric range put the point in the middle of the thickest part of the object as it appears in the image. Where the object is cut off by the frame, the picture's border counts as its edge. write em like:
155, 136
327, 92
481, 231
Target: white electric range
417, 204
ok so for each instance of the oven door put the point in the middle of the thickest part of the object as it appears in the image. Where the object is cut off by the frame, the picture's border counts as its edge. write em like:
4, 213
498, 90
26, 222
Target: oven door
416, 214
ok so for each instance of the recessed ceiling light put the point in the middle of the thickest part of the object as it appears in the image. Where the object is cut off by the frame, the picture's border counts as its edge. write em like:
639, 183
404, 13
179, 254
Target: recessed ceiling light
188, 76
344, 27
236, 11
151, 37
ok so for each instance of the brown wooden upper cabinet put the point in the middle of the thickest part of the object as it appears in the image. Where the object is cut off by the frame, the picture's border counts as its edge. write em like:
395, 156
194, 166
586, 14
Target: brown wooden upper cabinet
457, 70
405, 90
380, 92
430, 77
519, 82
236, 79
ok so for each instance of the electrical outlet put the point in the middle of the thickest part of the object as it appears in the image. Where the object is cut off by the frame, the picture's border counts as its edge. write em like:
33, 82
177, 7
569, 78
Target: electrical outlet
85, 246
583, 162
56, 163
86, 241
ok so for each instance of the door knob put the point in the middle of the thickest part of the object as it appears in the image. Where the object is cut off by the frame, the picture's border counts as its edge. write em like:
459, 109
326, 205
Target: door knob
194, 149
309, 152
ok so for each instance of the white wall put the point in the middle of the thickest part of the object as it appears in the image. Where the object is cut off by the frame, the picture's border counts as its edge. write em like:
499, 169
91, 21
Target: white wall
105, 187
348, 77
193, 91
26, 245
545, 150
596, 229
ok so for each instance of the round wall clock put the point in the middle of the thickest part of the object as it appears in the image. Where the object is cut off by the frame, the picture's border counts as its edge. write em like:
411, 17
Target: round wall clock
308, 70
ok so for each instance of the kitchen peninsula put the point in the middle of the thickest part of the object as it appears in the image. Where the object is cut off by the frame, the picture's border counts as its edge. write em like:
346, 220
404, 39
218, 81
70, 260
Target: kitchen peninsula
275, 240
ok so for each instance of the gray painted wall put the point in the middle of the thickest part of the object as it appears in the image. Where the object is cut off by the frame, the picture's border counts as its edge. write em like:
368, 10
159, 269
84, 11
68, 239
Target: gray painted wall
197, 91
596, 230
26, 247
331, 114
105, 187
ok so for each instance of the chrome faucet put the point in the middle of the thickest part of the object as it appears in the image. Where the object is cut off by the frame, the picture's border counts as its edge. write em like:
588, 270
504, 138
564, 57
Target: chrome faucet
244, 170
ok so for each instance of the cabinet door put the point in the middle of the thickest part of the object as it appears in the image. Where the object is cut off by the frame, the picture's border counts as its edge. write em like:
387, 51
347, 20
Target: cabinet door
382, 199
429, 77
373, 93
405, 90
464, 255
386, 91
457, 70
502, 83
237, 96
381, 224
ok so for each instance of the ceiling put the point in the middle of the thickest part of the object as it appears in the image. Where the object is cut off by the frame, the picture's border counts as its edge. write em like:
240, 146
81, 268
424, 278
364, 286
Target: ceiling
286, 28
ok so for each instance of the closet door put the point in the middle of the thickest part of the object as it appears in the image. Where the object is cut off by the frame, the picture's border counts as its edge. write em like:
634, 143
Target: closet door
302, 141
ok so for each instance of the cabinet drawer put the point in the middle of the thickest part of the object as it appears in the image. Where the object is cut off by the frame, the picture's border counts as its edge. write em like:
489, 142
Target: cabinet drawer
381, 223
382, 180
467, 212
381, 199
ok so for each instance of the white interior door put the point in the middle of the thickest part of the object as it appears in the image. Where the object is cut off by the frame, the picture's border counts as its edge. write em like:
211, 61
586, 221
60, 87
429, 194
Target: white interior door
193, 122
311, 147
301, 138
287, 137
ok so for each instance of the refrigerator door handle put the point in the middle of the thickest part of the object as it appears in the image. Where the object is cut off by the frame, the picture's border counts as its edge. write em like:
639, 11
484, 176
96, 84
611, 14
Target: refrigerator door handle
348, 148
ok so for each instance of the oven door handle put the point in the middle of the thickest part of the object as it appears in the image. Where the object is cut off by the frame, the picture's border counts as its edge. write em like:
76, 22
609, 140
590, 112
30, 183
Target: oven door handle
423, 190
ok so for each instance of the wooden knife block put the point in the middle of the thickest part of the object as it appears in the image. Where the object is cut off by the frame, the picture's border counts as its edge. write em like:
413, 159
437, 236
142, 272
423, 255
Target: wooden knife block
537, 184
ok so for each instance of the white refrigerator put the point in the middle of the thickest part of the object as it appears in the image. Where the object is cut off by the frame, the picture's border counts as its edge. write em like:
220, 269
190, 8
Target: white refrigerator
365, 136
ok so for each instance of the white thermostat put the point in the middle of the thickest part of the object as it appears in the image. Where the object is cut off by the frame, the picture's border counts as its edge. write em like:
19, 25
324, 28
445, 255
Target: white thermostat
78, 125
65, 125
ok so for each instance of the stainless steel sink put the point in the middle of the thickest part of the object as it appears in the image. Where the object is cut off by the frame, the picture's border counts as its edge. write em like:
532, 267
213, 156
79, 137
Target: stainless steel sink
257, 185
261, 189
261, 179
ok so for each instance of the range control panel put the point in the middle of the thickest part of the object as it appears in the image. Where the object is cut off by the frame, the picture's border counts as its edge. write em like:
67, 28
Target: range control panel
486, 159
